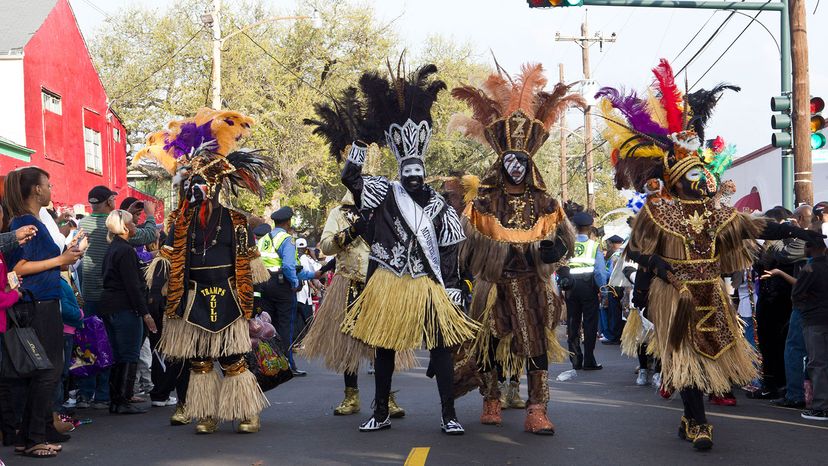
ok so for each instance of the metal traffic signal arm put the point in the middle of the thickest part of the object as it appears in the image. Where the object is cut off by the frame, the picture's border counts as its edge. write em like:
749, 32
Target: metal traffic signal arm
784, 44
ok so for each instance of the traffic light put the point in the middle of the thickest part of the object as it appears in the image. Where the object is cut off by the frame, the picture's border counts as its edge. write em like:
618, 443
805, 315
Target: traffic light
781, 121
553, 3
818, 139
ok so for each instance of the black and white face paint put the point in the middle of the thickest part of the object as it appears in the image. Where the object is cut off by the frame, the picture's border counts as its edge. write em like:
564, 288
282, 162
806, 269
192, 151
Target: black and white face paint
515, 165
412, 176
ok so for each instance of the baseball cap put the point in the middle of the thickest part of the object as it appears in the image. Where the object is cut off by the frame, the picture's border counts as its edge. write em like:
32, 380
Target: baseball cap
301, 243
100, 194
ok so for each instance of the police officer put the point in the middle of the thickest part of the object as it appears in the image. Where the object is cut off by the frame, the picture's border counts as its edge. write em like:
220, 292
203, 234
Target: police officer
586, 275
278, 251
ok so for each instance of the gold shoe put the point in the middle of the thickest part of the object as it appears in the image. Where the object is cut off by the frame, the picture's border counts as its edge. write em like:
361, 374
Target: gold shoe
703, 438
179, 417
350, 405
395, 411
687, 429
250, 426
513, 395
206, 425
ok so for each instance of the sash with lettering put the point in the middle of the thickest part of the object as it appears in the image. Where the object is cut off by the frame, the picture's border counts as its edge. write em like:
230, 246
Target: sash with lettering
419, 222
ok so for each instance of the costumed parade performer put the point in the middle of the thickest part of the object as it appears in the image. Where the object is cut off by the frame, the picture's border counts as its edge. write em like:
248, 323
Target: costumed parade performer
412, 292
517, 236
211, 263
687, 239
344, 238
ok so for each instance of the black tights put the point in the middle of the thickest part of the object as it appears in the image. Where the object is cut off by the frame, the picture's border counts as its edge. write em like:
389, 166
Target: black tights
693, 400
351, 380
441, 365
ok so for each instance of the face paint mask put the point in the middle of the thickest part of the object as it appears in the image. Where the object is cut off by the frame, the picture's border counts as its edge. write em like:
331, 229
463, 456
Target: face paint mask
196, 190
412, 176
694, 185
515, 165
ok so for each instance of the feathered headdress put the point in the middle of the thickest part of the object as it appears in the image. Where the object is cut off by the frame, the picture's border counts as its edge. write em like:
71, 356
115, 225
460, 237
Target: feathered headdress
659, 137
513, 116
398, 110
207, 145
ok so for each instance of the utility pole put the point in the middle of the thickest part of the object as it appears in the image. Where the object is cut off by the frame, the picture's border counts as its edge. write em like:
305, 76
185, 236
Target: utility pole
803, 184
564, 175
216, 55
584, 41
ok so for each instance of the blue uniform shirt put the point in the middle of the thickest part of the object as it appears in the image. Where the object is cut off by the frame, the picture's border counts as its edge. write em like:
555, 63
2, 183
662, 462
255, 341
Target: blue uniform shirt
599, 271
287, 251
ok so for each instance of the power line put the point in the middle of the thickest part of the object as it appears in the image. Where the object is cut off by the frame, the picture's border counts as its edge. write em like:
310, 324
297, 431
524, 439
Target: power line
163, 65
727, 49
687, 45
98, 9
706, 43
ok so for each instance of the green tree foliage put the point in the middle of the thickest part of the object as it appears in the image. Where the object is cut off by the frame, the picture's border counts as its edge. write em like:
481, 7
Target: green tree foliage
156, 66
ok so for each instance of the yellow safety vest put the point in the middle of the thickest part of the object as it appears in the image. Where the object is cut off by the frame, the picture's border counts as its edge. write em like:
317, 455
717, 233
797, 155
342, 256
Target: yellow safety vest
584, 259
269, 250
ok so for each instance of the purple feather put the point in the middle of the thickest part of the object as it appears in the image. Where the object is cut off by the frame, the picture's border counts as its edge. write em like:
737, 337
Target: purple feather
634, 109
190, 137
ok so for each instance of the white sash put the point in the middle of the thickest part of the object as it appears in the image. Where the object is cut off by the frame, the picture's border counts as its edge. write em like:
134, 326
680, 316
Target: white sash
419, 222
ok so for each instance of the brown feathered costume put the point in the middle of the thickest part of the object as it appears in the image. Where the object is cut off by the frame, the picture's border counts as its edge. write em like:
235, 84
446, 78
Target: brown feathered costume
504, 225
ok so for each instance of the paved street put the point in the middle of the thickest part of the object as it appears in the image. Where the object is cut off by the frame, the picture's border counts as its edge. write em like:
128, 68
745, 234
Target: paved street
601, 418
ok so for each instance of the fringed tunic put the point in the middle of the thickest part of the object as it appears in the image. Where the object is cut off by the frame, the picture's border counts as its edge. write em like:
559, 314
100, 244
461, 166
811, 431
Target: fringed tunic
513, 295
702, 242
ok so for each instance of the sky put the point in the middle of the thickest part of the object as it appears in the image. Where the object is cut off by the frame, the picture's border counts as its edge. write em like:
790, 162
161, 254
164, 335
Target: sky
517, 34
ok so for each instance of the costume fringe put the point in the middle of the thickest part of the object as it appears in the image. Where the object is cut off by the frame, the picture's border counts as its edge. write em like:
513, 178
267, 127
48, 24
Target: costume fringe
483, 302
406, 360
681, 318
400, 312
555, 352
259, 271
631, 336
685, 367
483, 256
339, 352
158, 264
183, 340
240, 398
203, 395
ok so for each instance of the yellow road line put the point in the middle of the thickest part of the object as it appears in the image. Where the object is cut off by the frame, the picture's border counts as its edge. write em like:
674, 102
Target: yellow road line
417, 457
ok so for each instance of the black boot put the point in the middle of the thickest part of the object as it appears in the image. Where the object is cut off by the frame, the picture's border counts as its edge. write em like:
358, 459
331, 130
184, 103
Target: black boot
448, 422
380, 420
115, 381
127, 377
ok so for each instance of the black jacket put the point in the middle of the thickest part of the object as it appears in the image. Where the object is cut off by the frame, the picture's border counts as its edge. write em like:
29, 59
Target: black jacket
810, 294
123, 283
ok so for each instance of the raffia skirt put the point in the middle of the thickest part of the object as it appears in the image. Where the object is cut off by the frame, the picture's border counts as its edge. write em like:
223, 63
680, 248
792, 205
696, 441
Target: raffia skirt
732, 363
325, 340
402, 313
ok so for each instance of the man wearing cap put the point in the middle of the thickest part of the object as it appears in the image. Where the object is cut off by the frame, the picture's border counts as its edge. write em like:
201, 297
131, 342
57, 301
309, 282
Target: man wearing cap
278, 251
611, 306
102, 200
304, 297
587, 274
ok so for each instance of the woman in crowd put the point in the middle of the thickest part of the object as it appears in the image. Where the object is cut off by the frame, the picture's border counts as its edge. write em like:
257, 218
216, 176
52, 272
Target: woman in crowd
39, 262
124, 308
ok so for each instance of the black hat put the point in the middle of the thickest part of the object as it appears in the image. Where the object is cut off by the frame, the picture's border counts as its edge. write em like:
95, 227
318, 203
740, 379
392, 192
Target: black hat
285, 213
100, 194
127, 202
261, 230
615, 239
582, 219
815, 239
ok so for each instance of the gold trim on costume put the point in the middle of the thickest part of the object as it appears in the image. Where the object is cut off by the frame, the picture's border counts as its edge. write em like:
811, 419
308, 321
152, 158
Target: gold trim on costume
491, 227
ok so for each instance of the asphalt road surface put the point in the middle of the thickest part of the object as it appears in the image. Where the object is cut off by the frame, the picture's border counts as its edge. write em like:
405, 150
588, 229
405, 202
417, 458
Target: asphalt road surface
602, 418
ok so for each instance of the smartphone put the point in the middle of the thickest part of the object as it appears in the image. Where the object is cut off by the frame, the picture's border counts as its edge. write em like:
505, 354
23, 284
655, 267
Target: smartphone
13, 279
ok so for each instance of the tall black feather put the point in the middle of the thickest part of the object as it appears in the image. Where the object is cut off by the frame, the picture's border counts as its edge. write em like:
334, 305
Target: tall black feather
702, 103
252, 168
340, 122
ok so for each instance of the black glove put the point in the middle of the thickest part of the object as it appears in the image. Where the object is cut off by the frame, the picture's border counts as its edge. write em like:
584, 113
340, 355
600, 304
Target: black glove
658, 266
628, 272
329, 266
552, 251
565, 280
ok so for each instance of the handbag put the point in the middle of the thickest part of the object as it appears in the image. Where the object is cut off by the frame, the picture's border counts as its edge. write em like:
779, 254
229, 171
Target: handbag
92, 351
269, 364
24, 353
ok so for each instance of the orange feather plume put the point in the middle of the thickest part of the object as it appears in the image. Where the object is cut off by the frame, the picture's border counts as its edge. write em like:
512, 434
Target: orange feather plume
484, 108
530, 81
499, 90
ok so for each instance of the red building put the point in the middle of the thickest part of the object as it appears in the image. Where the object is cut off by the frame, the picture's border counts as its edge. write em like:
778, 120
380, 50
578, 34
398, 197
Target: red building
55, 112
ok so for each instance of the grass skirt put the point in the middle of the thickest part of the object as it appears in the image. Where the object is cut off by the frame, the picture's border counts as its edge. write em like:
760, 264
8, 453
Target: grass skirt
183, 340
686, 367
401, 313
